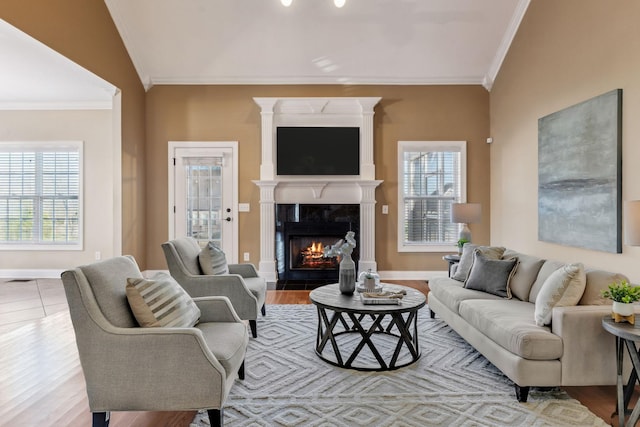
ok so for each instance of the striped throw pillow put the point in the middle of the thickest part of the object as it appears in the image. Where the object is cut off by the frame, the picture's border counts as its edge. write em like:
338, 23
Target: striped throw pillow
161, 301
212, 260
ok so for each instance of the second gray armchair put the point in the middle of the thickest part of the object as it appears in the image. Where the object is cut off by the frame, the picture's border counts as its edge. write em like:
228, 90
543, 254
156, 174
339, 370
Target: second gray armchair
246, 290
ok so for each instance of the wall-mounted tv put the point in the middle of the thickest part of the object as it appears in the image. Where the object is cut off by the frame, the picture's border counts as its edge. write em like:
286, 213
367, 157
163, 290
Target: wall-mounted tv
318, 151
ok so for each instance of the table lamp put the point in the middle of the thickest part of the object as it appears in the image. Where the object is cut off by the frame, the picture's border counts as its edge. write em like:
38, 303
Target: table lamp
465, 214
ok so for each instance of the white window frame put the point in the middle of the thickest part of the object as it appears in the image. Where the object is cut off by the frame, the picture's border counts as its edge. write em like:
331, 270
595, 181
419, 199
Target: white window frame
404, 146
30, 146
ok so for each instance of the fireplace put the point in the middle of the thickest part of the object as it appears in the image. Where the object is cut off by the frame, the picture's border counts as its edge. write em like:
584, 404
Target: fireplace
276, 189
302, 232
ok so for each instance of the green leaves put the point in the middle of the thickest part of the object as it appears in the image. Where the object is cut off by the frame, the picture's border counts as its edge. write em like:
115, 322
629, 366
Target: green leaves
622, 291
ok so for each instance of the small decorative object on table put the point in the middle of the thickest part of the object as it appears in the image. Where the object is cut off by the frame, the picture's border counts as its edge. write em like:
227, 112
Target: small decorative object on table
623, 296
369, 281
347, 270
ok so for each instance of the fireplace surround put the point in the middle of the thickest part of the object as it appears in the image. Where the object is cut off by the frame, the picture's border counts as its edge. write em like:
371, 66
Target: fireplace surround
333, 189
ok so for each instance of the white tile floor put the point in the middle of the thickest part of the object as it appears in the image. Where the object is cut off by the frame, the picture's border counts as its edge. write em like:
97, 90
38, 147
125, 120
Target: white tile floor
23, 301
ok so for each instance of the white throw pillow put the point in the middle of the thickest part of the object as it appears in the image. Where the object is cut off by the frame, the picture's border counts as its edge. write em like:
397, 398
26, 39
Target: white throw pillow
161, 301
563, 288
213, 260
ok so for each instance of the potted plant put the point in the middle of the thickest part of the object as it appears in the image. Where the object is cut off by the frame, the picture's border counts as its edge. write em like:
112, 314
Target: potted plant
623, 296
461, 243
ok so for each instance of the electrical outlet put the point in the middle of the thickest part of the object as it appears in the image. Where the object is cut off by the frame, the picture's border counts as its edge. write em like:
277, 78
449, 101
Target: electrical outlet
98, 256
246, 256
385, 209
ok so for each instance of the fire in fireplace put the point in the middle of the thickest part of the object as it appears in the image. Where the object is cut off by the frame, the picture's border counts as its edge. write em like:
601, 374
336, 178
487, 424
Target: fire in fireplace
308, 253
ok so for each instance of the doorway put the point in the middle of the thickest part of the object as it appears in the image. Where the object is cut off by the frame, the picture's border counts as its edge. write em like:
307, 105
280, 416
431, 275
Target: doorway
203, 193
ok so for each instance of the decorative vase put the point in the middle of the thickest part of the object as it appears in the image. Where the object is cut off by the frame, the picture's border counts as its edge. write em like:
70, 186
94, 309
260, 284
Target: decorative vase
347, 275
622, 308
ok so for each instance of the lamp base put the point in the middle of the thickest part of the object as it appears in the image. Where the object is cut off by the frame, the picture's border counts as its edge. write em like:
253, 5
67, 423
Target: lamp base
465, 233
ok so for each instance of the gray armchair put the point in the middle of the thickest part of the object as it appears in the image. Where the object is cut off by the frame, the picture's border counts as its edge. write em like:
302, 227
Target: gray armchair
246, 290
129, 368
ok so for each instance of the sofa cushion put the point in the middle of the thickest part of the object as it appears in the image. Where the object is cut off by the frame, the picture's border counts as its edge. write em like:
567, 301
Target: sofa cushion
547, 268
563, 288
466, 259
452, 292
212, 260
491, 275
596, 281
161, 301
510, 324
524, 276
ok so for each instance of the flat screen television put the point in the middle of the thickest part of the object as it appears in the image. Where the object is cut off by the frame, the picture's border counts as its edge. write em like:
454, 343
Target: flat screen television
318, 151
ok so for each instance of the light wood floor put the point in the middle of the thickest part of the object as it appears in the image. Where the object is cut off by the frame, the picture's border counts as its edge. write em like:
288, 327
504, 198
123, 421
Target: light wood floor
41, 381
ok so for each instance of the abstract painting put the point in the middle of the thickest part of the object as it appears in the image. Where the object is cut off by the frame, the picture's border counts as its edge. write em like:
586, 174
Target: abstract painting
580, 174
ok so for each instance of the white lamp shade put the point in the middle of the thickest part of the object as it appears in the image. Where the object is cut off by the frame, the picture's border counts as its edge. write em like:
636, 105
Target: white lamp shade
466, 213
632, 222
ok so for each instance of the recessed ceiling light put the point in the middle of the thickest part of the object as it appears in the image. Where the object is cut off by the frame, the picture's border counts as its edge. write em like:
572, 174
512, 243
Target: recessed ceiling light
339, 3
286, 3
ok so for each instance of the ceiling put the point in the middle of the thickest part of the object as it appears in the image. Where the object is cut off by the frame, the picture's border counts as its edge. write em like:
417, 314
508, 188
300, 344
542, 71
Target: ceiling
313, 41
35, 77
264, 42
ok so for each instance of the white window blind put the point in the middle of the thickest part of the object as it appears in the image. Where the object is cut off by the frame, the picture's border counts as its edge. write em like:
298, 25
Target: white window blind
40, 200
431, 176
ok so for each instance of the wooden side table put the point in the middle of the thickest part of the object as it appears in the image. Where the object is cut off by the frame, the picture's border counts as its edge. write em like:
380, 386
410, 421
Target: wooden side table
626, 336
452, 260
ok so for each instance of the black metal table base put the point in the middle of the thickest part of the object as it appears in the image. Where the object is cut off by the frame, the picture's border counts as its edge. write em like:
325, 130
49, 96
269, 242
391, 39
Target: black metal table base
405, 333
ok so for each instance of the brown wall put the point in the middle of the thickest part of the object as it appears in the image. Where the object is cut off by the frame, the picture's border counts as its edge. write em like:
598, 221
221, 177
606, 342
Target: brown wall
565, 52
228, 113
83, 31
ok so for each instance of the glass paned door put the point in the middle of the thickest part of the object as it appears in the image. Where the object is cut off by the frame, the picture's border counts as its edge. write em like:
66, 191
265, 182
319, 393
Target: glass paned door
204, 196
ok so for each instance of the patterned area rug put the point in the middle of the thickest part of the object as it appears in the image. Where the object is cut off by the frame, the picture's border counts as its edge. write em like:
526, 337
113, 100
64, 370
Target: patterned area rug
287, 384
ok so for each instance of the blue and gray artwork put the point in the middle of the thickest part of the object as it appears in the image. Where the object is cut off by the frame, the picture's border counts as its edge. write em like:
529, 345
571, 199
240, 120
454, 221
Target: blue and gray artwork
579, 174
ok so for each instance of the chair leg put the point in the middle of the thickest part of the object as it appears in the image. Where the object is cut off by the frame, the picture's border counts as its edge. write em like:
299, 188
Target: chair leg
522, 393
263, 310
241, 371
215, 417
254, 328
101, 419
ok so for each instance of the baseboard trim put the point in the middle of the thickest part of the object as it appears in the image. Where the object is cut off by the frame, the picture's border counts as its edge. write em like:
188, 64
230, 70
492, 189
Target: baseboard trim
410, 275
30, 274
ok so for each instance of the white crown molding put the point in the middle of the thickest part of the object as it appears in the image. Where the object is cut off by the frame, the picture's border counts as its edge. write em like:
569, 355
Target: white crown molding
118, 17
54, 105
507, 39
314, 80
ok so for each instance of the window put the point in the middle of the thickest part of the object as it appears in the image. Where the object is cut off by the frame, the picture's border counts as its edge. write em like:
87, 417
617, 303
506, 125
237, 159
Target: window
431, 176
40, 195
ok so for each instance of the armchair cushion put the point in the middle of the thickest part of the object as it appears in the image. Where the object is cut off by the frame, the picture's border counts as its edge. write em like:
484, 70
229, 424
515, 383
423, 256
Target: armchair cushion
161, 301
212, 260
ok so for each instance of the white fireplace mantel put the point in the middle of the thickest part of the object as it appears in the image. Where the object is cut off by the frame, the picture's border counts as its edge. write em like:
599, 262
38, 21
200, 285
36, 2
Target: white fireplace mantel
353, 112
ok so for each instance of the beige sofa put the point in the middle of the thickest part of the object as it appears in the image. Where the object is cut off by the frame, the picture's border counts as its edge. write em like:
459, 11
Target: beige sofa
574, 350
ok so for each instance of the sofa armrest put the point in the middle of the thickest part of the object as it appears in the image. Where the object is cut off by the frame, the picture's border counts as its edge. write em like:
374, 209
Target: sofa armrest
216, 309
245, 270
589, 352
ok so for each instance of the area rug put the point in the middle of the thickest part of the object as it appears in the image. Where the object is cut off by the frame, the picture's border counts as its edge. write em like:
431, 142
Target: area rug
287, 384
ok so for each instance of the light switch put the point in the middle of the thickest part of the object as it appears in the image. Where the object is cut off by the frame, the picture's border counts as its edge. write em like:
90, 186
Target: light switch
385, 209
244, 207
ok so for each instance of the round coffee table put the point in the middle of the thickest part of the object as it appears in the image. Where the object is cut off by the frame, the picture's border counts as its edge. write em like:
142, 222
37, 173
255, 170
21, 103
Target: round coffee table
388, 334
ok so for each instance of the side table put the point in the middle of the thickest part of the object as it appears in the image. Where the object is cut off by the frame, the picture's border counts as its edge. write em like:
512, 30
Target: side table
452, 260
626, 336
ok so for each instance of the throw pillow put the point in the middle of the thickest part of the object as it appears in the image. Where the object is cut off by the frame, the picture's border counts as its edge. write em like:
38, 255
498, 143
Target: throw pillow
564, 287
212, 260
491, 275
466, 259
161, 301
